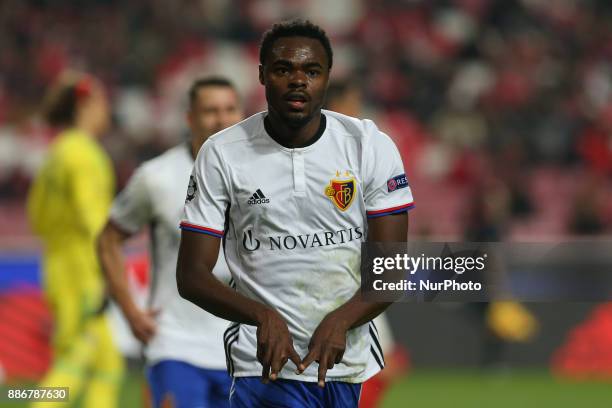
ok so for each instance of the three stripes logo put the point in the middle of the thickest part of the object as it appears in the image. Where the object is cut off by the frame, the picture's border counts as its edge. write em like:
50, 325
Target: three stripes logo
258, 198
229, 338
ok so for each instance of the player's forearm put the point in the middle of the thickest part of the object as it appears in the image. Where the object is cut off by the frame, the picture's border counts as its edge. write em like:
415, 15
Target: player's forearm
356, 312
112, 262
197, 284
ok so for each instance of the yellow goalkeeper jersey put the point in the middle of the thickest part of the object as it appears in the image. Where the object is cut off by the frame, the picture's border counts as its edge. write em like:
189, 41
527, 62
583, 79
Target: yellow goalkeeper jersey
68, 205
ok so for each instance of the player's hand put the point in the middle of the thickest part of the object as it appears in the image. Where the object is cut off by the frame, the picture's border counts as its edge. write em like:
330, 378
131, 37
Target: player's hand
274, 345
327, 345
511, 321
143, 324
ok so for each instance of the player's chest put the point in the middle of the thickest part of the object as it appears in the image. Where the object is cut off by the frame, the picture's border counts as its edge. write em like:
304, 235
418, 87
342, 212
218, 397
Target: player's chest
284, 185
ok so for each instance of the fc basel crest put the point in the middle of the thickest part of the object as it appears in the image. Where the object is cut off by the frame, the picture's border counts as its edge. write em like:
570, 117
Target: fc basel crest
341, 192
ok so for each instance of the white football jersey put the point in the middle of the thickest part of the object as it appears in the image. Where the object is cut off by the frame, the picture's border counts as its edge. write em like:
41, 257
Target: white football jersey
154, 197
296, 219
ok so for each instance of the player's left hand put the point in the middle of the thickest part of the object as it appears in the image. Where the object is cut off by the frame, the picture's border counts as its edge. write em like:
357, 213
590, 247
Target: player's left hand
327, 345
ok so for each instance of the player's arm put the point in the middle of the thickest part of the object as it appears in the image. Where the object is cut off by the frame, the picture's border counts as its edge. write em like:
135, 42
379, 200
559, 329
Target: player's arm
110, 253
197, 257
130, 212
328, 342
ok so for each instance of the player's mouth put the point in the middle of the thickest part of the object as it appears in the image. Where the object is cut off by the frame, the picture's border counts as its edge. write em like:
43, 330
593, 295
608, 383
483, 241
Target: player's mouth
296, 100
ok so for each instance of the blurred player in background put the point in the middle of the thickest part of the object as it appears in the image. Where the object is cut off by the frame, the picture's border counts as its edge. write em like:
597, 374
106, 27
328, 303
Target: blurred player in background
315, 183
503, 322
184, 346
68, 205
345, 96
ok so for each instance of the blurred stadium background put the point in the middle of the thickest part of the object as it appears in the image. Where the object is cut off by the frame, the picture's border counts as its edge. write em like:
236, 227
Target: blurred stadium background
502, 111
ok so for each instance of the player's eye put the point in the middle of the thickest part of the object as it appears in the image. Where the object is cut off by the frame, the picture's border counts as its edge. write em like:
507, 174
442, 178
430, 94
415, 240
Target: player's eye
281, 70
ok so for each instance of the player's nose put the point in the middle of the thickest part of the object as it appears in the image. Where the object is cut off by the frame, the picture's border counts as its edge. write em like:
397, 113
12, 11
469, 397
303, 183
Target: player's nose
297, 79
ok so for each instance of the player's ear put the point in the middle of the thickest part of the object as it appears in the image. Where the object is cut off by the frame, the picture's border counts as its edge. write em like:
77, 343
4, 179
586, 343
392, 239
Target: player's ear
261, 74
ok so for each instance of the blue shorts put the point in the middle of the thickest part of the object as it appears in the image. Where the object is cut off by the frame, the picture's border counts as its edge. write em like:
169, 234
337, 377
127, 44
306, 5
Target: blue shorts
188, 386
249, 392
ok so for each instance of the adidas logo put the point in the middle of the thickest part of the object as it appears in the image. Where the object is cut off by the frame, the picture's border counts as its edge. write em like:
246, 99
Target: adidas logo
258, 198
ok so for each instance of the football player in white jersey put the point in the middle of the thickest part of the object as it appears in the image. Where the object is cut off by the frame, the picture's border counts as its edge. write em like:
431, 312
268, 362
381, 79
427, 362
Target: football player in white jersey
293, 192
184, 349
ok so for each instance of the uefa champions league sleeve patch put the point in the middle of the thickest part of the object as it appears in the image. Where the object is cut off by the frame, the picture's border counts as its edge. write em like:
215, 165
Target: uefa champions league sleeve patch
397, 182
192, 189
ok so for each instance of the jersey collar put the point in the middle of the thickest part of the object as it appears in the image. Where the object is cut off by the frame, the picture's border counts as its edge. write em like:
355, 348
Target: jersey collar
277, 139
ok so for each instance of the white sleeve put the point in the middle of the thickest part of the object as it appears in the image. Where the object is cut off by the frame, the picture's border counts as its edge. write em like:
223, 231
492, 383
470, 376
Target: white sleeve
132, 208
386, 186
207, 194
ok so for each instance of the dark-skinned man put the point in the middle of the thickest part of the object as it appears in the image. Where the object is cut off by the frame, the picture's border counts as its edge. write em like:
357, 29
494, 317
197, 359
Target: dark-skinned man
293, 192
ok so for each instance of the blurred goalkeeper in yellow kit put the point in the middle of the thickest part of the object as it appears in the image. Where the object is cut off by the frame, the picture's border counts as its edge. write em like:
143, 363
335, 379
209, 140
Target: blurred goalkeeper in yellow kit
68, 205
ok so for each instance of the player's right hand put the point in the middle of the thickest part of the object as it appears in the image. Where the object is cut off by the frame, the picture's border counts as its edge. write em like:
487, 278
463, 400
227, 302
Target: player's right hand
143, 324
274, 345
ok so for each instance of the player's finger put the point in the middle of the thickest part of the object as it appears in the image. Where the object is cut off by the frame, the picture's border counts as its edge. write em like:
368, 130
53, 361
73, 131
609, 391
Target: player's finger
265, 372
278, 362
153, 312
260, 352
262, 347
322, 370
141, 332
145, 332
312, 355
266, 360
149, 324
141, 337
339, 357
295, 358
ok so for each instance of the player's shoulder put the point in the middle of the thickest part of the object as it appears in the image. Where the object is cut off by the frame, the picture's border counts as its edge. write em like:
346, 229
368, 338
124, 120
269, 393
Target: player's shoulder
242, 132
178, 153
343, 125
164, 167
75, 148
232, 143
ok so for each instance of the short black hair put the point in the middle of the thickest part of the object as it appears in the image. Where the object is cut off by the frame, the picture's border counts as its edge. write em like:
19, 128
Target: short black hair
60, 108
60, 102
206, 82
294, 28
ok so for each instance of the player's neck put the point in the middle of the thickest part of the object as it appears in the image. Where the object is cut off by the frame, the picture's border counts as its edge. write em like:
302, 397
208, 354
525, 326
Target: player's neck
87, 129
194, 147
196, 142
294, 137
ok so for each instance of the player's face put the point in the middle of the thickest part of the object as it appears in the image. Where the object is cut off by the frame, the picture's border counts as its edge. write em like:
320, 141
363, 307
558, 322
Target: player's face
215, 108
295, 75
95, 110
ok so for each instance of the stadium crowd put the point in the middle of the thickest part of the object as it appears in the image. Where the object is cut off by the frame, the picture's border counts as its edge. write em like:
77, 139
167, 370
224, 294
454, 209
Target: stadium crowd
502, 109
